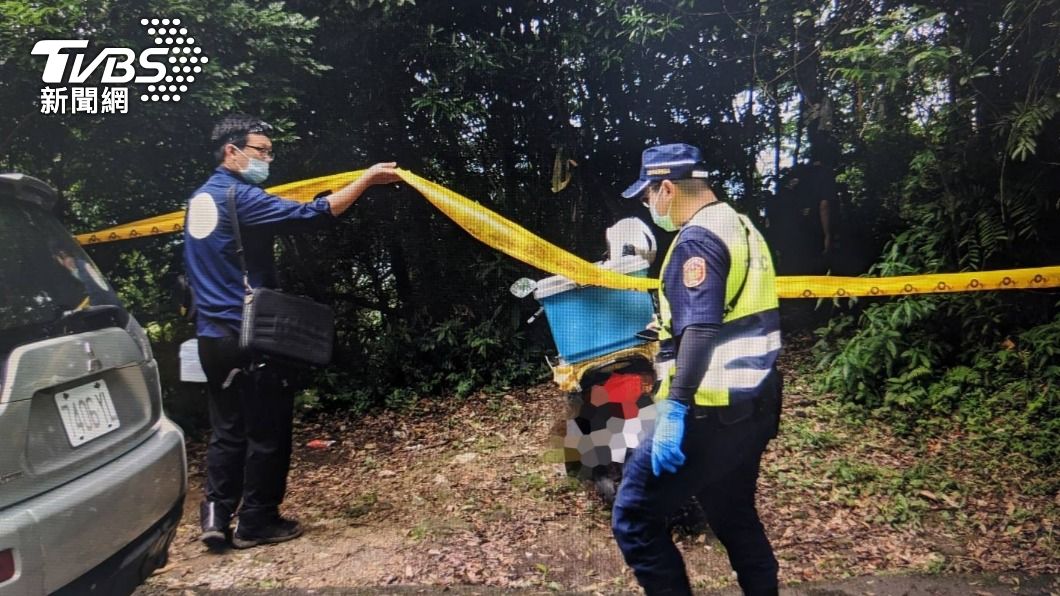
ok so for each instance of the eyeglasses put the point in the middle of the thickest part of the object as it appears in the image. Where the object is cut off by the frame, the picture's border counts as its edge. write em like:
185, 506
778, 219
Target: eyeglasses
265, 152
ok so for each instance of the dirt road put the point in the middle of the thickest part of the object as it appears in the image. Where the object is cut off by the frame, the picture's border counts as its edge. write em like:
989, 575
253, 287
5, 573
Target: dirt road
459, 495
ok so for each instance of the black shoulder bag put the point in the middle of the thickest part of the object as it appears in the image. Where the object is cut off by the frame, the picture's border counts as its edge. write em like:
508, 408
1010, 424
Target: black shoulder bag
289, 328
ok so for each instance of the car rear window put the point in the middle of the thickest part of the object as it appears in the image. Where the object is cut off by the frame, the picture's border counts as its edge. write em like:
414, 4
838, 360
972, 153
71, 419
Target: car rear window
43, 271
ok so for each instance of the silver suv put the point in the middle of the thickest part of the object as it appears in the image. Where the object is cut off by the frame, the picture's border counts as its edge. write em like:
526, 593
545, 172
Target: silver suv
92, 473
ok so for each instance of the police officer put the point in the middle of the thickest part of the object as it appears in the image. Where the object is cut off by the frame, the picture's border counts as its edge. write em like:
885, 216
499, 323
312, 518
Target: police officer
251, 410
718, 402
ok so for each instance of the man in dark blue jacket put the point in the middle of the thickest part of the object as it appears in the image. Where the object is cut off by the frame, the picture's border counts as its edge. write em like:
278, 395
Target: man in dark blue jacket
249, 453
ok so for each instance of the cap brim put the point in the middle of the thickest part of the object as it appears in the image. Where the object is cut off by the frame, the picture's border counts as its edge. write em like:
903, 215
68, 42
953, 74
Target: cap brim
635, 189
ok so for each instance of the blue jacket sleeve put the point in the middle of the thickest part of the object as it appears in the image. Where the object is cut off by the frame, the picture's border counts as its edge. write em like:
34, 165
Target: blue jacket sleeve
256, 207
695, 280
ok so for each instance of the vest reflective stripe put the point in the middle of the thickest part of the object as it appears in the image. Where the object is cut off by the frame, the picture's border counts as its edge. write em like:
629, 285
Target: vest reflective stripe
748, 343
719, 375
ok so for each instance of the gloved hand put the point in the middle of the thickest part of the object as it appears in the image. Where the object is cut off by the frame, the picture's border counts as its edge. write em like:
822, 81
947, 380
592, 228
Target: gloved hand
666, 451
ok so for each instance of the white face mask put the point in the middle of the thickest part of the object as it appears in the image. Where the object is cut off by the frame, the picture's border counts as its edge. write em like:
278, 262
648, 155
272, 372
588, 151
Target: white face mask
665, 222
256, 171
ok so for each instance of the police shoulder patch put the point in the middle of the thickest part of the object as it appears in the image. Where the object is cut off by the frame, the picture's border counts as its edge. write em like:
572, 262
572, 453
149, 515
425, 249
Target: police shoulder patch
695, 272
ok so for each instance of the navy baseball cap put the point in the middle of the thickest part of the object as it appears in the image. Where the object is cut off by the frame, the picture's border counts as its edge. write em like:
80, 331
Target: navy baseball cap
667, 162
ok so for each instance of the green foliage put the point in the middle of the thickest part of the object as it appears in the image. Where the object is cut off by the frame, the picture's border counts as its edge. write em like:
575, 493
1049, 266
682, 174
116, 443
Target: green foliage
907, 364
965, 194
945, 119
361, 505
143, 288
642, 26
1024, 123
890, 48
889, 342
899, 495
453, 358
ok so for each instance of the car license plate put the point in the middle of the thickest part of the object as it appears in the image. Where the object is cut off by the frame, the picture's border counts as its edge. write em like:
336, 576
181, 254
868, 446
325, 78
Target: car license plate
87, 412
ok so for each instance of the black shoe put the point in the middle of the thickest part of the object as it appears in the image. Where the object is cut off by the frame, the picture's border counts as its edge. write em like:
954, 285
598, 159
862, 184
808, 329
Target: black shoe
214, 520
279, 530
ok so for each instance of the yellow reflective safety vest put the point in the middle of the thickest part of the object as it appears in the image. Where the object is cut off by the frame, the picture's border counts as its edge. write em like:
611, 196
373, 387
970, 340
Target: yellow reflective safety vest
748, 343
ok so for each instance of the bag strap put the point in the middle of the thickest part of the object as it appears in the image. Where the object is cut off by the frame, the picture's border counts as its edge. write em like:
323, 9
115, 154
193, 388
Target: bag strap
747, 268
234, 219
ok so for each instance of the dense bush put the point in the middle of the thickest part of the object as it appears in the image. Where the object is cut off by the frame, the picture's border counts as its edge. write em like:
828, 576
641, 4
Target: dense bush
924, 361
452, 358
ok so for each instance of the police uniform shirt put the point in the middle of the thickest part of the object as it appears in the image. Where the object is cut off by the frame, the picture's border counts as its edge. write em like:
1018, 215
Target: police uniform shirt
696, 285
695, 278
210, 257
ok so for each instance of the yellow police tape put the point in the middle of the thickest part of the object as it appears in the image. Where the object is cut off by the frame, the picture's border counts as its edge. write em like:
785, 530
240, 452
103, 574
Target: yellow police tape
809, 286
519, 243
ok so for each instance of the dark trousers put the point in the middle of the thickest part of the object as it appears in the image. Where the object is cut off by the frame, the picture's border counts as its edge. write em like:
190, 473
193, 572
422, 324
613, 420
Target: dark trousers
721, 471
249, 452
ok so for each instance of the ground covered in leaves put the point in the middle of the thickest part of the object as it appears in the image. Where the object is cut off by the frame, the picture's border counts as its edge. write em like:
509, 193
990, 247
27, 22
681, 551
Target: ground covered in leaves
460, 493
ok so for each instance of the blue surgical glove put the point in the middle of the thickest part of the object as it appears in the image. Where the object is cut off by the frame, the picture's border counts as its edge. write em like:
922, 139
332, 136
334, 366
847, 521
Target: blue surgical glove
666, 451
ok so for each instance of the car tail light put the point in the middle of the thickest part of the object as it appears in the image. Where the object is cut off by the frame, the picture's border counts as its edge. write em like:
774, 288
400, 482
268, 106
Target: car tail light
7, 565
